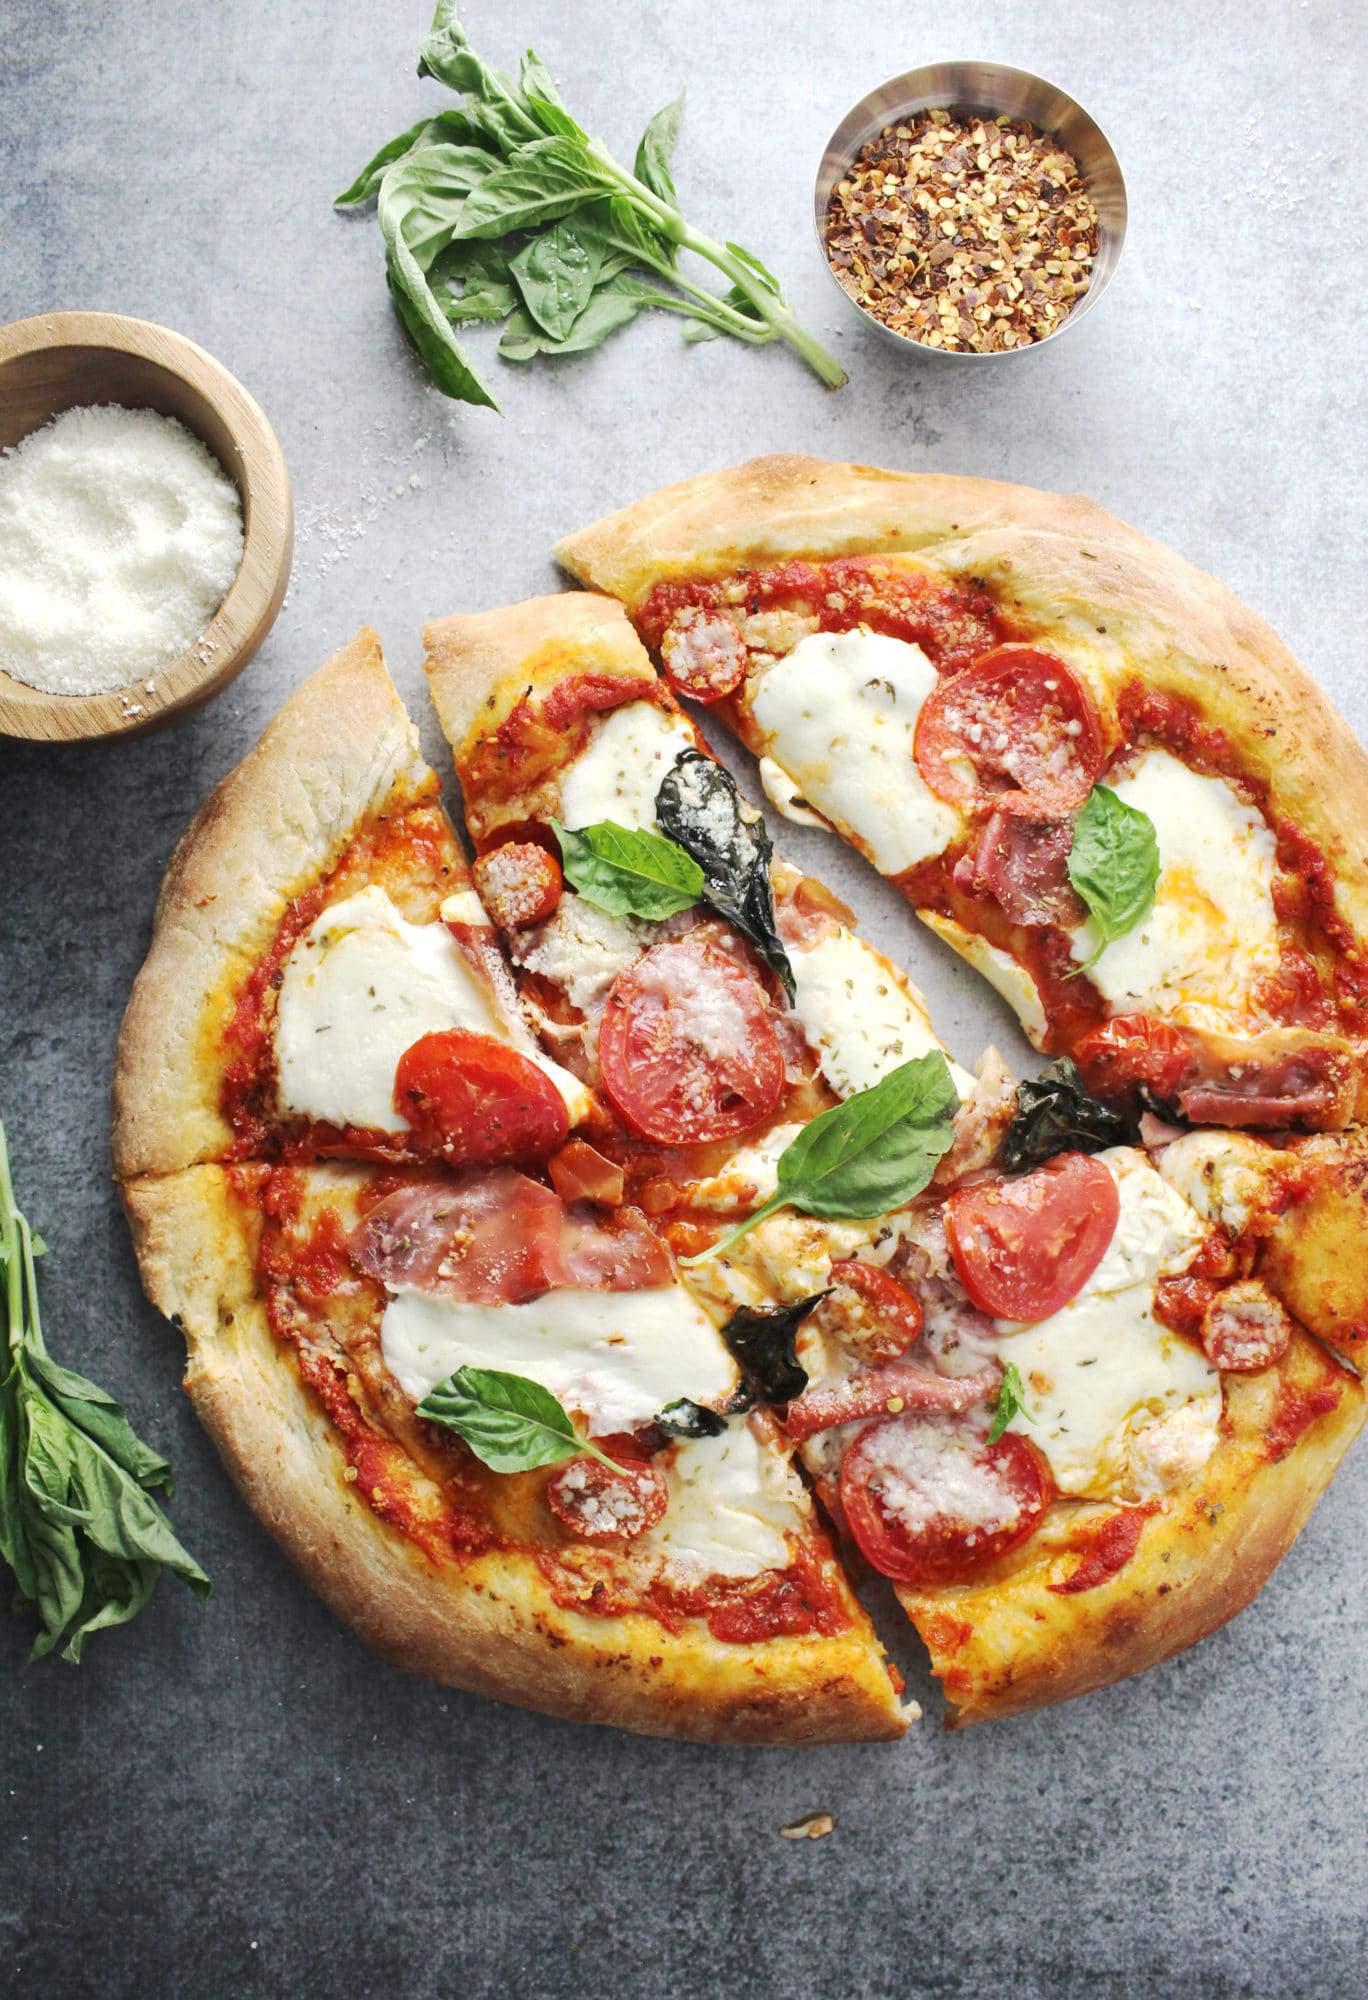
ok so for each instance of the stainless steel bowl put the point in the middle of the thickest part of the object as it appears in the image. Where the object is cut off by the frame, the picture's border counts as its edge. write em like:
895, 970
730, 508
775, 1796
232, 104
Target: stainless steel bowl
991, 90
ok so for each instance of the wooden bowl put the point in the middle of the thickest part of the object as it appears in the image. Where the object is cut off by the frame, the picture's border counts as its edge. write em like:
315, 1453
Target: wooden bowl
61, 360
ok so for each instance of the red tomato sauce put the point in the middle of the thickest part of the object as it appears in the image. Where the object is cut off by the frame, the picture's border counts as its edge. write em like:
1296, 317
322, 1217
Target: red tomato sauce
1106, 1549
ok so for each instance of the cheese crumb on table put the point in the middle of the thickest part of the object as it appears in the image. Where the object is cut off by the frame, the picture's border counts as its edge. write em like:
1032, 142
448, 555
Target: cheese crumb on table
120, 535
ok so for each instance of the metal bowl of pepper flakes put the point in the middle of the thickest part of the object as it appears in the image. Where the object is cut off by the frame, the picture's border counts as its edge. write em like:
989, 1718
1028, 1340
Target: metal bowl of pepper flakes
970, 210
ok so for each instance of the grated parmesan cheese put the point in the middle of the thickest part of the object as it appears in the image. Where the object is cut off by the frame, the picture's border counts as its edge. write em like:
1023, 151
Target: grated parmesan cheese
120, 535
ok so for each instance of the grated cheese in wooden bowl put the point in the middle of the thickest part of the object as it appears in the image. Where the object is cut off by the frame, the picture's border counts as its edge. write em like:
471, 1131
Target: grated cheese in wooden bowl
120, 535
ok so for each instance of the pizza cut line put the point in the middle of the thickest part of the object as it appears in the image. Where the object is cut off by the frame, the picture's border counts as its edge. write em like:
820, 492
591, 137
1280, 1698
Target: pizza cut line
382, 1119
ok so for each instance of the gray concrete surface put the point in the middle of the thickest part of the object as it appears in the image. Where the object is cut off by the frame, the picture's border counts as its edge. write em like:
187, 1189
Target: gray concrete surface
239, 1799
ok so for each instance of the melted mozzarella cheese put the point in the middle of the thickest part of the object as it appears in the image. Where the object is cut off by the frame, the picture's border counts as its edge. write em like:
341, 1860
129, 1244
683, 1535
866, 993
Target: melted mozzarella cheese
784, 795
839, 714
1224, 1176
581, 949
361, 986
1212, 929
1103, 1370
733, 1502
615, 1357
750, 1176
999, 968
861, 1017
617, 775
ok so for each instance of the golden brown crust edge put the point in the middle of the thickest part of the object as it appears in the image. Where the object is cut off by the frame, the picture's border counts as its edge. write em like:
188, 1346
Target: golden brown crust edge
1063, 561
491, 1626
1201, 1560
476, 661
330, 757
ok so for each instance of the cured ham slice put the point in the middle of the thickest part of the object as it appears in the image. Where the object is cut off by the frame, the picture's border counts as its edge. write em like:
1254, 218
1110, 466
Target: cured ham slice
500, 1238
897, 1387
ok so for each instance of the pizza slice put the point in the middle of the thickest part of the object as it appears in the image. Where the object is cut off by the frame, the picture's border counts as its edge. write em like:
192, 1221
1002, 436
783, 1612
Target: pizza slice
1093, 772
1046, 1390
481, 1413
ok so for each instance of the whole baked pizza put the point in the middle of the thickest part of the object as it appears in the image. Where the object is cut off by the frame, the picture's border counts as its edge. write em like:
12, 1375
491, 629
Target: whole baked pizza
591, 1261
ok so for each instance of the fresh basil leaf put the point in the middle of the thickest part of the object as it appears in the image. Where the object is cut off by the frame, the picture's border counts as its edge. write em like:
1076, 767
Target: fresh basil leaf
1114, 865
543, 99
752, 263
487, 291
656, 151
419, 196
445, 53
686, 1419
1011, 1402
611, 306
1055, 1114
510, 1423
764, 1344
557, 271
866, 1156
418, 311
453, 127
627, 871
713, 329
543, 181
699, 806
79, 1526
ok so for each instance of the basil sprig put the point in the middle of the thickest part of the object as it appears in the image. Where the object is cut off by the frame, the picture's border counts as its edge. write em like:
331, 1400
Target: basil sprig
1055, 1114
570, 246
79, 1527
627, 871
866, 1156
510, 1423
1011, 1402
699, 806
1114, 865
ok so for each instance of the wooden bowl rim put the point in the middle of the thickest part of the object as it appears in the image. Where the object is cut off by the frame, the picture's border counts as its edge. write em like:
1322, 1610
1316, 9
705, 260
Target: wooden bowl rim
254, 597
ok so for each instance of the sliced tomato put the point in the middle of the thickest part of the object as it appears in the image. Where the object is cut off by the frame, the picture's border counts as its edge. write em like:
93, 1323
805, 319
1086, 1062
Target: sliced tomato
474, 1102
930, 1501
1131, 1050
1017, 730
703, 653
1023, 1248
596, 1504
686, 1048
883, 1318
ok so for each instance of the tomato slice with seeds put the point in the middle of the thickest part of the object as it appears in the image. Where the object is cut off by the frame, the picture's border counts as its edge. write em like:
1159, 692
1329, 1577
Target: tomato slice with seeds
1023, 1248
686, 1048
1130, 1050
597, 1504
1017, 731
474, 1102
930, 1501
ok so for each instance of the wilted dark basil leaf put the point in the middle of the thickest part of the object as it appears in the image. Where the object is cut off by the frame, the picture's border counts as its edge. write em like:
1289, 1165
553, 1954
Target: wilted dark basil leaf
764, 1344
1055, 1114
686, 1419
700, 809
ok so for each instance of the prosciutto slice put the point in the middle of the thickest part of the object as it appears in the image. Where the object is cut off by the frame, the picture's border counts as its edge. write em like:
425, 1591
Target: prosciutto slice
500, 1238
1023, 865
1284, 1076
910, 1385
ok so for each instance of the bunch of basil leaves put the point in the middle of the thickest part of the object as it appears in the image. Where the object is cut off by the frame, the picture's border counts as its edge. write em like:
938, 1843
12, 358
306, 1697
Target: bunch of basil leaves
507, 209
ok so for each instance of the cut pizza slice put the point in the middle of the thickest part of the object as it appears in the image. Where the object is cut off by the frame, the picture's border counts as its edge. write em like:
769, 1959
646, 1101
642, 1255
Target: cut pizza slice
937, 1388
1091, 771
316, 936
349, 1171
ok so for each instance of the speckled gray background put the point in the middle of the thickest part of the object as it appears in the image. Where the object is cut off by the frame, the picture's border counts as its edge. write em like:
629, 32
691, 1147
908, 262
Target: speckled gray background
238, 1799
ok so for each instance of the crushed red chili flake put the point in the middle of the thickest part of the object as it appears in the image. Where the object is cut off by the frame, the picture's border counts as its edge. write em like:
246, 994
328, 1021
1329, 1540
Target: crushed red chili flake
970, 234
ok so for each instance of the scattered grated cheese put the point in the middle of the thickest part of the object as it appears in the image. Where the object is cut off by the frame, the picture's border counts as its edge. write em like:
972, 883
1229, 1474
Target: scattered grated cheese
120, 535
815, 1827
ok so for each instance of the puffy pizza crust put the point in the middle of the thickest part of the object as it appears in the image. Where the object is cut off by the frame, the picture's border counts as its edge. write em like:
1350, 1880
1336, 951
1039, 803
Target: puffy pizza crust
332, 756
1009, 1642
1061, 562
488, 1624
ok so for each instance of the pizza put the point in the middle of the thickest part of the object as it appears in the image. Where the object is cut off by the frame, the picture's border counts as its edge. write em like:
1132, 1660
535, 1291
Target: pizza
622, 1134
1179, 1419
